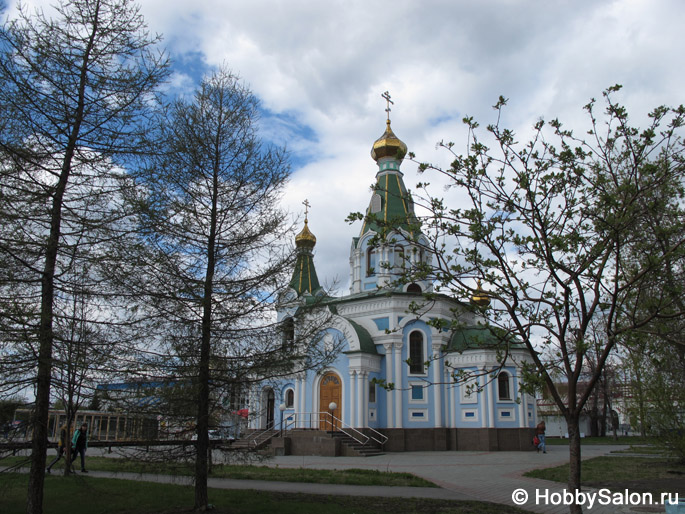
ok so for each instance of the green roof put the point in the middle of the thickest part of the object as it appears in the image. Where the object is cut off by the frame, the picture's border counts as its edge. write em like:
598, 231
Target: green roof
304, 276
480, 338
396, 207
366, 343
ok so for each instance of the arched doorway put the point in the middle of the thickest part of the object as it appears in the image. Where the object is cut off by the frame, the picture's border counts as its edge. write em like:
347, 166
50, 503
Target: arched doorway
330, 390
269, 403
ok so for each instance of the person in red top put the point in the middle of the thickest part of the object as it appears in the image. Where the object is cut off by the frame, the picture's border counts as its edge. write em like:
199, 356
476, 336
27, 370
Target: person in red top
540, 434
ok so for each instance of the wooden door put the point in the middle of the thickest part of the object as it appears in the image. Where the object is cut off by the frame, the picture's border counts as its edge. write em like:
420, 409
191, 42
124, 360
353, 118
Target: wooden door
270, 409
330, 390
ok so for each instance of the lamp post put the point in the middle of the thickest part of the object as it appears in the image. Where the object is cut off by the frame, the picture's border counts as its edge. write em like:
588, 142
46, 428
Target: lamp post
331, 407
281, 407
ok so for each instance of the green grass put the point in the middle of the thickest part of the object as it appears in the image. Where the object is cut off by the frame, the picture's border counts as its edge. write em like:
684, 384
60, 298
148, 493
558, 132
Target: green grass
246, 472
87, 495
644, 474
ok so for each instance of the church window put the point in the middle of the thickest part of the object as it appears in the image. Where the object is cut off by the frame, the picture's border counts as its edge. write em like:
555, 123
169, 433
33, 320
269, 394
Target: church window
399, 258
414, 288
371, 262
289, 399
372, 392
375, 203
417, 392
416, 353
503, 386
288, 335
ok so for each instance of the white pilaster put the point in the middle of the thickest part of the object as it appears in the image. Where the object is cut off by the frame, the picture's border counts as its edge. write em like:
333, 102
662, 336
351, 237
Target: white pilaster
353, 398
437, 389
398, 385
390, 378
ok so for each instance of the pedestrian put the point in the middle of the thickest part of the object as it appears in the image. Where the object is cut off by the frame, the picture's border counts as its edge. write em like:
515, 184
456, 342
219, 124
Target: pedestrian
540, 434
79, 444
61, 445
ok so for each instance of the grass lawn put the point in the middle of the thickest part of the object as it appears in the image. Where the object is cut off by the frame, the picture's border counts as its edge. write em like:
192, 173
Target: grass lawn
243, 472
638, 474
80, 494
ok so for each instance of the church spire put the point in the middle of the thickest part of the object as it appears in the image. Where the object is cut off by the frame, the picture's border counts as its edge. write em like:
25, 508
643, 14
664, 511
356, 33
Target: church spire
304, 278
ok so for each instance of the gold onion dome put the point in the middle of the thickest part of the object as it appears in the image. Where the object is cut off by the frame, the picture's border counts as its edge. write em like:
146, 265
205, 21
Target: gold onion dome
480, 297
305, 239
388, 145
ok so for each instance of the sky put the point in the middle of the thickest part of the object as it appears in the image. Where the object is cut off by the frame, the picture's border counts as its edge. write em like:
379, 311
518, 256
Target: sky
320, 67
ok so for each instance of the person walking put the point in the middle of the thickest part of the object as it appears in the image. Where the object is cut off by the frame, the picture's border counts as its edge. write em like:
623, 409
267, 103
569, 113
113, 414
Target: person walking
540, 434
79, 445
61, 445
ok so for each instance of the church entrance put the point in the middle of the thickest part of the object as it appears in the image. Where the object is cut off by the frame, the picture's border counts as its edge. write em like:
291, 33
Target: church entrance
330, 390
270, 408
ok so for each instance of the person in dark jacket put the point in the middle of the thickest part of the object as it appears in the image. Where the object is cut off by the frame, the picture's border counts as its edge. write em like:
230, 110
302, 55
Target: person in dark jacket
61, 445
79, 445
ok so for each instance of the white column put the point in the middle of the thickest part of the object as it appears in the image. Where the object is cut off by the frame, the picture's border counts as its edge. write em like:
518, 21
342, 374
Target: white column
365, 399
483, 401
303, 395
297, 406
491, 402
437, 389
389, 377
353, 398
523, 408
359, 417
398, 385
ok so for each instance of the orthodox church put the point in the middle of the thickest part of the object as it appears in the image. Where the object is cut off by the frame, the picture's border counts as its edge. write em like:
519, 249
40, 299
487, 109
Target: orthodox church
393, 379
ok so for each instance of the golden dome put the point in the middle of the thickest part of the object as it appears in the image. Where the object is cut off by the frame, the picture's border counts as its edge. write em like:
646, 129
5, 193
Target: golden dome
388, 145
480, 297
305, 238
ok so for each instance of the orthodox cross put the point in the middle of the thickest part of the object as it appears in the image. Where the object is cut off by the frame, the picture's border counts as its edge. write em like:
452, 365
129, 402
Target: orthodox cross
306, 209
386, 95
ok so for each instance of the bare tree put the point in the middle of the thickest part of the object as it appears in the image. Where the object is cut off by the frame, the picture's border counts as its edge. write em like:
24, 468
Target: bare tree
76, 92
215, 253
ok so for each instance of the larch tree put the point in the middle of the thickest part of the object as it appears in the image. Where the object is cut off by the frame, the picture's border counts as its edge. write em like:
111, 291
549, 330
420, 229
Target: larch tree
215, 254
78, 88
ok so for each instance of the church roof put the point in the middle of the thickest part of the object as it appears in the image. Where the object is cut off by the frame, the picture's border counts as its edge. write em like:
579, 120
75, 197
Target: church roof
480, 338
366, 343
388, 145
304, 279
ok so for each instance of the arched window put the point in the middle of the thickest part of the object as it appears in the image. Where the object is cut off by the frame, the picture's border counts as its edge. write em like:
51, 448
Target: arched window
414, 288
503, 386
370, 262
416, 353
288, 329
289, 399
398, 257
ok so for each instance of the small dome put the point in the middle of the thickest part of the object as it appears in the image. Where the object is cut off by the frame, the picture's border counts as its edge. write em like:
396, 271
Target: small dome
480, 297
388, 145
305, 239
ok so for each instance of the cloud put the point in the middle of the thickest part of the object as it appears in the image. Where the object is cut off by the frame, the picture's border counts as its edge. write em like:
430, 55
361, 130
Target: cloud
320, 67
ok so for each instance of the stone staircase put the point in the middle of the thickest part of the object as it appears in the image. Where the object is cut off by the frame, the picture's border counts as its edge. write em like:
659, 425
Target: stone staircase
352, 448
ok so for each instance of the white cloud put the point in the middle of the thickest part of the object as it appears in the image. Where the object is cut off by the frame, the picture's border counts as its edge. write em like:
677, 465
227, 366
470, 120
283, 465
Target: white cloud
321, 67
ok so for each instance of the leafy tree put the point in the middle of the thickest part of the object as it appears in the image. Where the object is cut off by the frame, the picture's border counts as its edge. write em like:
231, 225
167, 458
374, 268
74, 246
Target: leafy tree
77, 89
548, 228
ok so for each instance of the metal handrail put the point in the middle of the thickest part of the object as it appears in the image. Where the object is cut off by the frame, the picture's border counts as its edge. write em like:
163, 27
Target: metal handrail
267, 431
325, 417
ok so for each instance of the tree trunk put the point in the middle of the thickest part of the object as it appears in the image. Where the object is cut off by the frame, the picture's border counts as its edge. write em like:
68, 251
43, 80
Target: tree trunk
573, 423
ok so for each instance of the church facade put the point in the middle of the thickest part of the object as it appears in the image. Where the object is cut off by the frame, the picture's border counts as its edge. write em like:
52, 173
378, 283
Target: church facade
395, 372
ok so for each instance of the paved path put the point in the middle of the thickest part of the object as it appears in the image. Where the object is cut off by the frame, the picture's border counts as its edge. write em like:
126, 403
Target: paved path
485, 476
